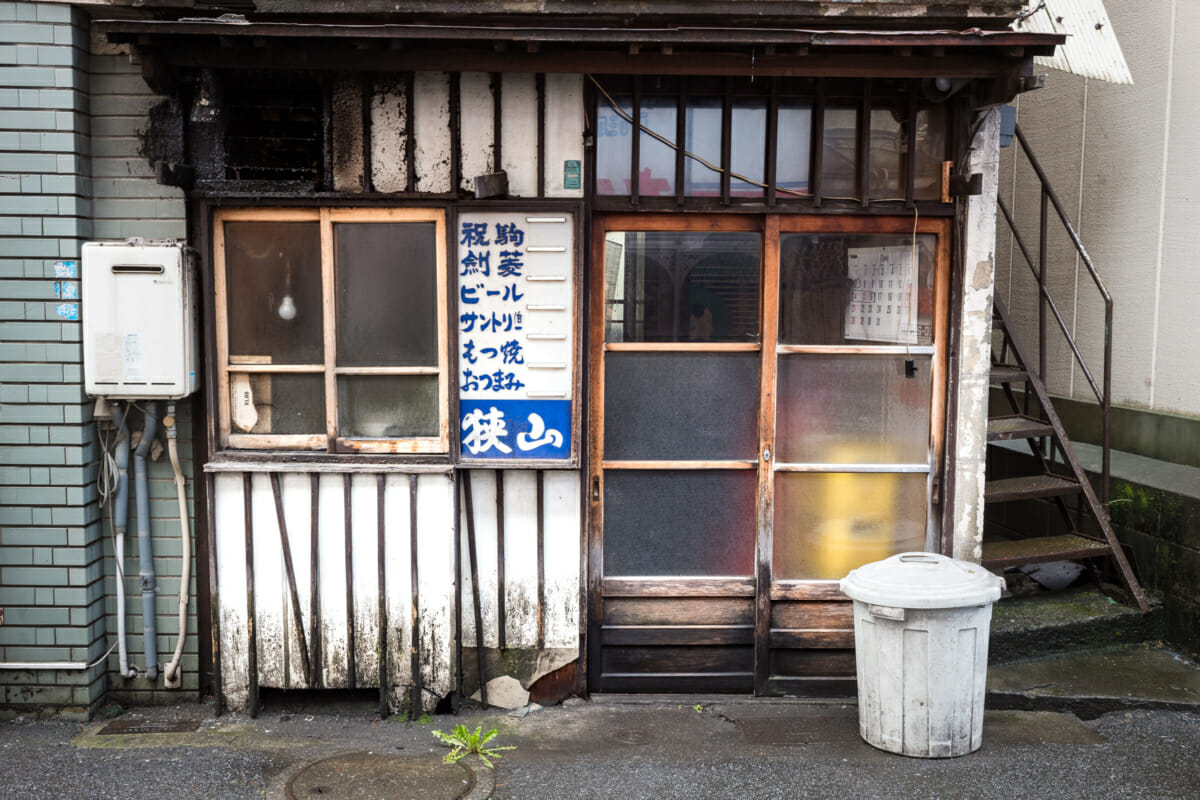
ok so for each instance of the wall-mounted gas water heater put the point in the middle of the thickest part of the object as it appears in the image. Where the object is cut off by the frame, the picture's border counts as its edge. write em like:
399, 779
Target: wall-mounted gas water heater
140, 344
139, 315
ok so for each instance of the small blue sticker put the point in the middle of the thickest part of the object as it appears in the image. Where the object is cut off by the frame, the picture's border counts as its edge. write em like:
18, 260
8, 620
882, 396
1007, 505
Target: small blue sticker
68, 311
66, 269
66, 290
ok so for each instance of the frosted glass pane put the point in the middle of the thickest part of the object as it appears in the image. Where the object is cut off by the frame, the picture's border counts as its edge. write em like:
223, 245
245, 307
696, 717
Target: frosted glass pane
748, 146
794, 146
273, 280
679, 523
931, 152
282, 403
889, 141
387, 406
839, 154
680, 405
828, 524
703, 140
614, 147
656, 169
852, 409
839, 289
386, 293
672, 286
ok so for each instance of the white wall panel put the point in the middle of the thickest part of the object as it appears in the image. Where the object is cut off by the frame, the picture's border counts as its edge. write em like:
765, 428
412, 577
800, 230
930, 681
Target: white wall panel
564, 131
389, 139
518, 132
431, 112
477, 107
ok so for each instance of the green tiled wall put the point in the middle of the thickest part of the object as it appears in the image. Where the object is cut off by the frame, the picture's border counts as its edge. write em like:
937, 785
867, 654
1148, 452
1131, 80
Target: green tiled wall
69, 172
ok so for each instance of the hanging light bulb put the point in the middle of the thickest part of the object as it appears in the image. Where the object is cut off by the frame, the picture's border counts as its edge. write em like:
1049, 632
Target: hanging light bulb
287, 308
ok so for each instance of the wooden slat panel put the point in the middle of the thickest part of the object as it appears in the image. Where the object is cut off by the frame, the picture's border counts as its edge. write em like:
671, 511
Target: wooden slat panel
788, 614
677, 635
726, 683
812, 687
812, 638
812, 663
658, 659
678, 587
655, 611
815, 590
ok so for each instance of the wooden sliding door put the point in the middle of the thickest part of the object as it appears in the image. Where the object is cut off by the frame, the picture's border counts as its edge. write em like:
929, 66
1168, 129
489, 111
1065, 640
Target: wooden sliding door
752, 440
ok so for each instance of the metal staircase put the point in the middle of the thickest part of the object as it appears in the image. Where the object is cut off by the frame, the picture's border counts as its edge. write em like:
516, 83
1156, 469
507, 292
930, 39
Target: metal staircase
1051, 471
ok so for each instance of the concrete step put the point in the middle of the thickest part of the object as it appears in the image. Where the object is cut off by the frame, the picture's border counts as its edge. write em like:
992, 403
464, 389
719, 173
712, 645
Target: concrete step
1089, 683
1079, 618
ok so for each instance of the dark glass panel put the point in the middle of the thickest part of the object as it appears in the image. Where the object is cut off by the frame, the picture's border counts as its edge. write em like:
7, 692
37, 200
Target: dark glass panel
273, 280
386, 293
679, 523
696, 406
282, 403
387, 406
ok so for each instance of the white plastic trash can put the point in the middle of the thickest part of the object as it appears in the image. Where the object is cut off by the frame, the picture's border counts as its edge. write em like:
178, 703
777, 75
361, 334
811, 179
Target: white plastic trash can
921, 640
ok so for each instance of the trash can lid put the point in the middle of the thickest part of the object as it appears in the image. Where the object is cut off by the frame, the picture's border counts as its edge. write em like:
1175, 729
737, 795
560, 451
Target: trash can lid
922, 580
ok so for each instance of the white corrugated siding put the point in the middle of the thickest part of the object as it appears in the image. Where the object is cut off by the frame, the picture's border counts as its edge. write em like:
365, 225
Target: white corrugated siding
1092, 49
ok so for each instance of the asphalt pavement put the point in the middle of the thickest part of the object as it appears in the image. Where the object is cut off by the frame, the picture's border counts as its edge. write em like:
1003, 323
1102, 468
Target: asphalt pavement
1136, 736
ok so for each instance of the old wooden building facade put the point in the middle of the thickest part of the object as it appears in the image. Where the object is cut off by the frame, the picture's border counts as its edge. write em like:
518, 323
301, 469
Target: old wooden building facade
588, 347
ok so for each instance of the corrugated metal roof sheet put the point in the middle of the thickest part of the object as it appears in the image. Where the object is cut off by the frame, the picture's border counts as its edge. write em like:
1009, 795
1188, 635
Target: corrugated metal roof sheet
1091, 50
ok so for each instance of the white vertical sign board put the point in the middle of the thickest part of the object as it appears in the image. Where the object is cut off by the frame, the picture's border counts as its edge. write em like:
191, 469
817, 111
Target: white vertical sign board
516, 334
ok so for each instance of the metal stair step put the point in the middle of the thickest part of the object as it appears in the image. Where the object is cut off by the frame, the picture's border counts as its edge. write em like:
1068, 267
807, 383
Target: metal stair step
1017, 426
1027, 487
1006, 373
1067, 547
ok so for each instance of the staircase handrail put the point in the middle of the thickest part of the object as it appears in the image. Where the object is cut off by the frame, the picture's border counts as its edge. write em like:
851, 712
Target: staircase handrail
1103, 391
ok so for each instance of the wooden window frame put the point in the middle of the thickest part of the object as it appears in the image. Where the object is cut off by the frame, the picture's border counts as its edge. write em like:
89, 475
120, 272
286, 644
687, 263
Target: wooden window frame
330, 441
820, 93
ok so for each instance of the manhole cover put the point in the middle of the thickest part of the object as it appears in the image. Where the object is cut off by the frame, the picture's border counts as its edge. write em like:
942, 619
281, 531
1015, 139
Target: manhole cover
146, 726
809, 730
632, 736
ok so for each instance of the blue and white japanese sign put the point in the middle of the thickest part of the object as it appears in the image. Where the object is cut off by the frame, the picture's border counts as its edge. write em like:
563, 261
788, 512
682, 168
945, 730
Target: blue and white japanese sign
516, 335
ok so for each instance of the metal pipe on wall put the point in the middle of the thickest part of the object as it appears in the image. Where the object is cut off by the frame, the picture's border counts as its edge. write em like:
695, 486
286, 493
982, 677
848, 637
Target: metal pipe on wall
145, 549
173, 674
120, 523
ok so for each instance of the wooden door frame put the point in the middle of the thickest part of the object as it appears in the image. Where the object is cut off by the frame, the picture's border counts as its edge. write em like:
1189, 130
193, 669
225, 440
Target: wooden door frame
764, 590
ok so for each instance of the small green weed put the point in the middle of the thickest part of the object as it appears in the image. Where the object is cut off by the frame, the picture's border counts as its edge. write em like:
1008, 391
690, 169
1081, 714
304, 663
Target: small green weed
465, 742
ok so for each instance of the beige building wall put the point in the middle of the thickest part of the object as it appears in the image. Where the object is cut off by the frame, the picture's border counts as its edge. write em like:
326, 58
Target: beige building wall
1125, 162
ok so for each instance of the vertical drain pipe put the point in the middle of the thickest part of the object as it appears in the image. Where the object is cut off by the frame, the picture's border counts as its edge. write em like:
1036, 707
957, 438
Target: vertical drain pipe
145, 549
120, 523
173, 674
